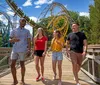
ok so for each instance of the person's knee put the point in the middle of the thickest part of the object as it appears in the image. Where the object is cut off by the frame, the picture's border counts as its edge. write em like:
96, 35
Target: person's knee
13, 63
42, 65
36, 64
59, 66
22, 64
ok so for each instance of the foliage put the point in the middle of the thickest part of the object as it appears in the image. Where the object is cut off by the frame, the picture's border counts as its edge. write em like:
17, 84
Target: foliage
84, 22
95, 22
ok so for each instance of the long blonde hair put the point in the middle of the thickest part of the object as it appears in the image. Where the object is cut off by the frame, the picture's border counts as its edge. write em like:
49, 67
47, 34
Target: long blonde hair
37, 34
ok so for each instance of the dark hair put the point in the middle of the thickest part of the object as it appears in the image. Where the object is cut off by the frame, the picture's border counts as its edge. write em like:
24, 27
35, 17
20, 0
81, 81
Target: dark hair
22, 19
59, 33
76, 23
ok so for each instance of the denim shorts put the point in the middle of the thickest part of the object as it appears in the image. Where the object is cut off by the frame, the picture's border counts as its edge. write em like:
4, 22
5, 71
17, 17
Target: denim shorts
57, 56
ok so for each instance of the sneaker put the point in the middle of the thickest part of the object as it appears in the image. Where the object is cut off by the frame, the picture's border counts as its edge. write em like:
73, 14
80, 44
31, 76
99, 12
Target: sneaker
42, 79
78, 84
59, 83
74, 78
37, 78
54, 77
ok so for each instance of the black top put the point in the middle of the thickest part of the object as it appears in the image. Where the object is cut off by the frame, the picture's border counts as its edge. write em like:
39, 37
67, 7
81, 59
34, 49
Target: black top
76, 41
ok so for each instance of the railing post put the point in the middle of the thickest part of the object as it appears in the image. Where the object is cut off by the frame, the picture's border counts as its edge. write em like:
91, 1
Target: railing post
91, 64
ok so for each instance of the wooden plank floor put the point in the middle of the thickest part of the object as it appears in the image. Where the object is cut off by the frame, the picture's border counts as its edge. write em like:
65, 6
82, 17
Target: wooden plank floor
67, 76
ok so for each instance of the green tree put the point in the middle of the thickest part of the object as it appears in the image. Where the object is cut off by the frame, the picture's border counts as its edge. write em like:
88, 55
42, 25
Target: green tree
95, 22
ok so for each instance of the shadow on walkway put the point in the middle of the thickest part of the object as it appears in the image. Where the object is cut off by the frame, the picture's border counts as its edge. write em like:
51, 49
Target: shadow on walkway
55, 82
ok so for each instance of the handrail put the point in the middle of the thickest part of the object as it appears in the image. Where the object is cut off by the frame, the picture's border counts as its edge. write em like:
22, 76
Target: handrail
5, 61
91, 63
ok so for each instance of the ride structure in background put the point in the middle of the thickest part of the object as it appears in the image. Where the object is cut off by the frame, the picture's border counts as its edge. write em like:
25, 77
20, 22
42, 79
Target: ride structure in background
5, 30
20, 13
60, 20
60, 17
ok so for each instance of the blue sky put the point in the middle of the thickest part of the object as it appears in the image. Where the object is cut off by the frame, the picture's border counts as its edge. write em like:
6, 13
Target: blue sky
33, 8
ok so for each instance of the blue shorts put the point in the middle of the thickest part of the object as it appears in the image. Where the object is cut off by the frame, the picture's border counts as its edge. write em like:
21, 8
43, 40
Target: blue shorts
57, 56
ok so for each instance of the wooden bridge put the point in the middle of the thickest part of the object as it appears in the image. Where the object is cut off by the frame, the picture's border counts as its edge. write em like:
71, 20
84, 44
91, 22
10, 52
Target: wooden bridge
67, 75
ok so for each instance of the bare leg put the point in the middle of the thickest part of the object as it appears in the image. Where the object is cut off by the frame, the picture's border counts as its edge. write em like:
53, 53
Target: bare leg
75, 72
60, 68
22, 70
42, 65
37, 65
13, 70
54, 62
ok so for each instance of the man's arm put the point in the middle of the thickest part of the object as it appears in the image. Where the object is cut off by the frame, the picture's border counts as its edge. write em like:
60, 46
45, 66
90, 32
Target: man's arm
67, 45
13, 40
29, 44
29, 40
85, 47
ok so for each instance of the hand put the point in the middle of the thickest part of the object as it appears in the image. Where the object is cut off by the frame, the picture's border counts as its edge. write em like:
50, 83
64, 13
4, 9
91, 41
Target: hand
44, 53
33, 54
28, 53
48, 54
16, 39
68, 53
84, 54
58, 42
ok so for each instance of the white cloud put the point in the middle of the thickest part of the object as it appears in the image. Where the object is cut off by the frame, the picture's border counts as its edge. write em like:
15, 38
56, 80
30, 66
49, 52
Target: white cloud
65, 6
41, 2
50, 1
29, 28
21, 8
10, 13
28, 3
37, 6
3, 19
9, 8
33, 18
84, 14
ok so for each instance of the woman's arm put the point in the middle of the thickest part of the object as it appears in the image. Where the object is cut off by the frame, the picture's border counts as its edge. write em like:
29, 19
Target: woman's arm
45, 47
34, 40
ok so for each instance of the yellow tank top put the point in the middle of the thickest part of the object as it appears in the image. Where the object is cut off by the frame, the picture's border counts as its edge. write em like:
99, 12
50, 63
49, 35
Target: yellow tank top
57, 46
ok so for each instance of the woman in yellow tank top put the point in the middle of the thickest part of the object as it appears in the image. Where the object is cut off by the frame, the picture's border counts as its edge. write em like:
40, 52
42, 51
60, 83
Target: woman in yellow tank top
57, 44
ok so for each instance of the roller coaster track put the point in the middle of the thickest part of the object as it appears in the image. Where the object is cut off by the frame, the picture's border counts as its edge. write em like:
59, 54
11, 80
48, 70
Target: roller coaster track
20, 13
5, 30
61, 15
51, 6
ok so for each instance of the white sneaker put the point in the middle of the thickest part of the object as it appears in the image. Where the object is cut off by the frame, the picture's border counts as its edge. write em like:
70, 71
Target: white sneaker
54, 77
59, 83
78, 84
74, 78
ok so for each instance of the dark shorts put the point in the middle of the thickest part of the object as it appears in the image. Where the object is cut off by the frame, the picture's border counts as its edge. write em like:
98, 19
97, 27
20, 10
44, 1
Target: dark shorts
39, 53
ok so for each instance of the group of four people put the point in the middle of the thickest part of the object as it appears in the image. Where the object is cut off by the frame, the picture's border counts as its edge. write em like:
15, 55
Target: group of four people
22, 45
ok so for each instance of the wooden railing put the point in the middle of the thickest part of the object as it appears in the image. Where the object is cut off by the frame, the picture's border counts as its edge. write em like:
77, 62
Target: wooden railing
91, 64
5, 61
